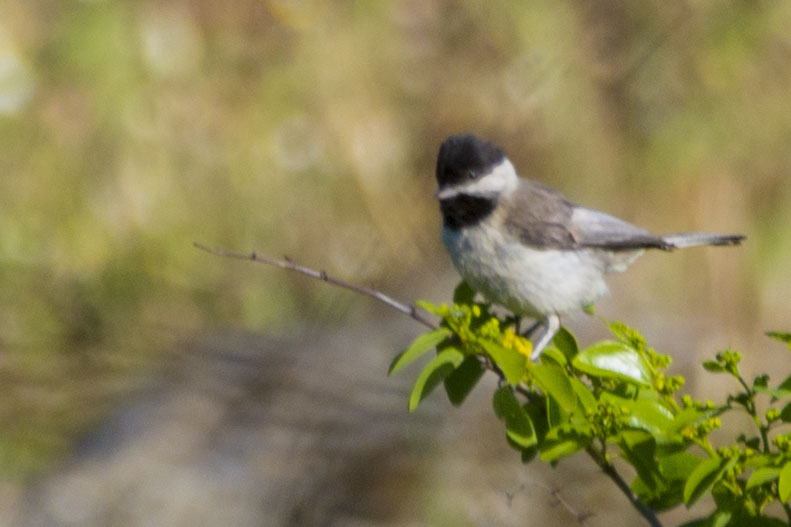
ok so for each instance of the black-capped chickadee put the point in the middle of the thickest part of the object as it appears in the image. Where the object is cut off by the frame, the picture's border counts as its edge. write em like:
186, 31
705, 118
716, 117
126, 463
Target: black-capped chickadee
524, 246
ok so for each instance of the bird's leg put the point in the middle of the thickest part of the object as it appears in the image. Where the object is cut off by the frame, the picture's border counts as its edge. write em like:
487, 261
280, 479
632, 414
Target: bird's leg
517, 323
529, 331
551, 327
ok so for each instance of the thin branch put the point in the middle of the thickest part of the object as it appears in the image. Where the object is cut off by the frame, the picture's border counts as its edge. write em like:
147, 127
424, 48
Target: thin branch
411, 311
644, 510
752, 410
407, 309
579, 516
555, 492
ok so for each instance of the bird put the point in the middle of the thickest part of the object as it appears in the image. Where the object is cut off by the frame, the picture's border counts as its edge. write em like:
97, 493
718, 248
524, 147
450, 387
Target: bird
524, 246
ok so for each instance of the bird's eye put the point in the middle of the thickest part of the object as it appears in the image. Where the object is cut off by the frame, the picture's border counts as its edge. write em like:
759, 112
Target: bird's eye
472, 174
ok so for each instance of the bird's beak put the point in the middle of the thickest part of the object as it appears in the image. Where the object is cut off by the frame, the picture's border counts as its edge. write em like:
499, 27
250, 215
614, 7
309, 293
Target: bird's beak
446, 193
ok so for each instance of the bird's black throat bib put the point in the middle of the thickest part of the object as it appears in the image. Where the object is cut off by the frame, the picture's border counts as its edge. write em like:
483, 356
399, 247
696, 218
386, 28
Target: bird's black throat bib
463, 211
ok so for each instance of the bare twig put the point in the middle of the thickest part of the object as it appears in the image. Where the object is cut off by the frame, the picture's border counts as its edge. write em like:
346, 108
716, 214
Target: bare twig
287, 263
411, 311
580, 517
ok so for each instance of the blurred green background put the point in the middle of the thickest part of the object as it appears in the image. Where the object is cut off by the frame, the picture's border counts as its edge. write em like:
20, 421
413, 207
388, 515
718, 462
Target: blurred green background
130, 129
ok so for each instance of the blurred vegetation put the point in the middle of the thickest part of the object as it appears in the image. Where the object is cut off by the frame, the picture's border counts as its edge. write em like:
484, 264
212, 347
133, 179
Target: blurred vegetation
130, 129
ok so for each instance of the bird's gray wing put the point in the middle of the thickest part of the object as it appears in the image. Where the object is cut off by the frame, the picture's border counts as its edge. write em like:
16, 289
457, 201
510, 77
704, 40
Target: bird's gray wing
592, 228
538, 216
542, 217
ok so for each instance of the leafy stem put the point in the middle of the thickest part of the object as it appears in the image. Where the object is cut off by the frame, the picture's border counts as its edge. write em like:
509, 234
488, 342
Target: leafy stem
645, 511
752, 410
706, 445
611, 392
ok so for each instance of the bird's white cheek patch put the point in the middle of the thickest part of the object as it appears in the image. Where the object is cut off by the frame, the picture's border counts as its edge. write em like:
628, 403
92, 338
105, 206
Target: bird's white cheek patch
502, 179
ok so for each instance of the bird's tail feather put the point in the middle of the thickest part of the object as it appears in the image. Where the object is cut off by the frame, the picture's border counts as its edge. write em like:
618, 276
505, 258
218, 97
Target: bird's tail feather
694, 239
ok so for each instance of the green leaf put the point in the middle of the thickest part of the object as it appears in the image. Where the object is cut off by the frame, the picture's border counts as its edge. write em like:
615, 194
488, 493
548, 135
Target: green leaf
440, 367
503, 402
701, 479
669, 492
784, 390
761, 382
665, 497
463, 294
518, 427
649, 415
512, 363
784, 483
564, 441
460, 383
528, 454
556, 449
785, 413
566, 343
440, 310
758, 460
761, 385
520, 431
639, 448
553, 381
584, 395
713, 366
781, 336
721, 519
419, 346
781, 392
614, 360
551, 352
753, 442
761, 476
717, 519
679, 466
556, 416
536, 410
688, 417
705, 475
775, 393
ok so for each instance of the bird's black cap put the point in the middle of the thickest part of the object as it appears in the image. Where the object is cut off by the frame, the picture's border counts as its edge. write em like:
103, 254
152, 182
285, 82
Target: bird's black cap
460, 154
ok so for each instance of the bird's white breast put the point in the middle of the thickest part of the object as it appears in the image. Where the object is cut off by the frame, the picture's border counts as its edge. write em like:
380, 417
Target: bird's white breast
527, 281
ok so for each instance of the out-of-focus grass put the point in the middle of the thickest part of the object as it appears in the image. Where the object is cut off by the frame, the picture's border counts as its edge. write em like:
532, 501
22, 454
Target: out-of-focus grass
130, 129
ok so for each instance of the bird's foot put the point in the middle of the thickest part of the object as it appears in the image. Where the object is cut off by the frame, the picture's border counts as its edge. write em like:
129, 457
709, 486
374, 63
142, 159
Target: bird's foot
551, 326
